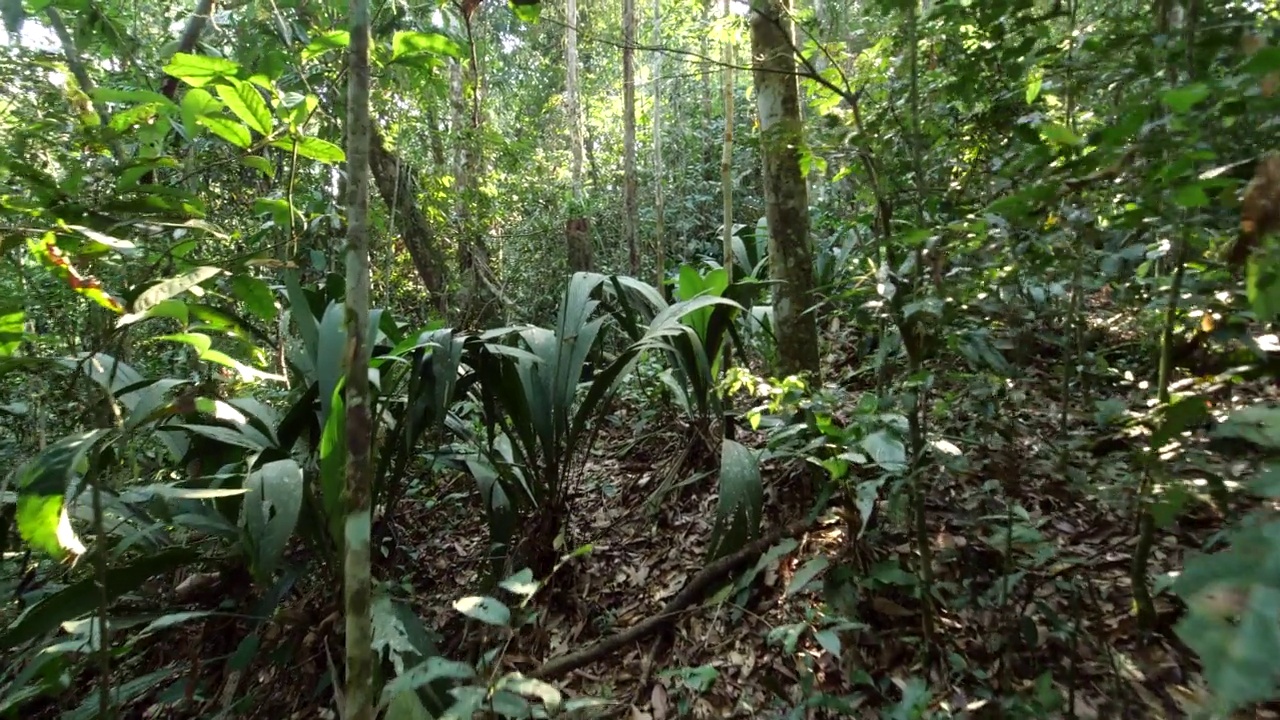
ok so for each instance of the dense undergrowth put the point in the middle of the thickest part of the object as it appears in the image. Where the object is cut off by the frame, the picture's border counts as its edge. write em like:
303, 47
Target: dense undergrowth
1032, 476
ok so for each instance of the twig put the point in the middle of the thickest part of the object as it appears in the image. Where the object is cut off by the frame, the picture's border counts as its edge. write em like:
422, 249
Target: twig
697, 586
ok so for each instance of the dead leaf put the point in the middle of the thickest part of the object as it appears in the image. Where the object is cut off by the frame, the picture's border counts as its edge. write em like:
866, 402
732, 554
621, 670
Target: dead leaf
885, 606
659, 701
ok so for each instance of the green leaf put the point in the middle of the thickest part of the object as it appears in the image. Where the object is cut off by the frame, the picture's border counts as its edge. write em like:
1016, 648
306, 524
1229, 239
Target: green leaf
409, 43
227, 129
741, 499
332, 40
522, 583
1180, 414
255, 294
333, 461
1240, 661
1191, 196
485, 609
1262, 285
12, 329
1035, 81
81, 598
225, 435
270, 512
1257, 424
805, 574
1182, 99
199, 70
1266, 60
124, 247
246, 103
405, 705
132, 97
50, 473
195, 103
1060, 135
312, 147
261, 164
1267, 482
527, 10
170, 287
43, 524
886, 450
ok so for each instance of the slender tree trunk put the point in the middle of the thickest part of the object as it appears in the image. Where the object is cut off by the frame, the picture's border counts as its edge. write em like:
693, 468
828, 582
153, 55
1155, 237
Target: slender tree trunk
357, 570
726, 152
399, 190
577, 229
436, 141
659, 222
785, 195
704, 89
726, 185
630, 211
479, 296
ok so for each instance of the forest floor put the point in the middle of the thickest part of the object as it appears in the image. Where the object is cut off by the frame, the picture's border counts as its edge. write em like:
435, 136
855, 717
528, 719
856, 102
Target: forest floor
1044, 609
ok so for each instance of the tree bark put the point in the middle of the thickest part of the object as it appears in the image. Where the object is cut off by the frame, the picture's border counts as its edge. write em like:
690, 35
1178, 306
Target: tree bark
785, 194
659, 221
630, 210
577, 229
419, 238
478, 296
357, 562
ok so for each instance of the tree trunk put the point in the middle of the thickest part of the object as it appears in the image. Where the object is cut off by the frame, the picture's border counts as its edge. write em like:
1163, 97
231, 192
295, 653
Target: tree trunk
577, 229
785, 195
400, 197
357, 570
726, 152
659, 221
630, 211
478, 300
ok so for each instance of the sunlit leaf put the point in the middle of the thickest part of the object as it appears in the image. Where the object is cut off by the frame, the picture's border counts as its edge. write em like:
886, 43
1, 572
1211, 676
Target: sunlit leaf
199, 70
527, 10
12, 329
406, 43
261, 164
1035, 81
244, 100
170, 287
485, 609
1060, 135
124, 247
550, 697
312, 147
233, 132
325, 42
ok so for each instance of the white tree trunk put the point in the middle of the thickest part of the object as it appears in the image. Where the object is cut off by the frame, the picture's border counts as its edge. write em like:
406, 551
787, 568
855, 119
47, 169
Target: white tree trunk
659, 224
630, 211
785, 194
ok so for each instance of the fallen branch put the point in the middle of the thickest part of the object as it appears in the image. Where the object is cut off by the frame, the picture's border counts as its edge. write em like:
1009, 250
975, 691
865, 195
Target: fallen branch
694, 590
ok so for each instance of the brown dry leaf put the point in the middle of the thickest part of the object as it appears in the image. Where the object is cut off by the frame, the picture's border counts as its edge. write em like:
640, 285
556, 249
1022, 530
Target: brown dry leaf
659, 701
885, 606
638, 714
